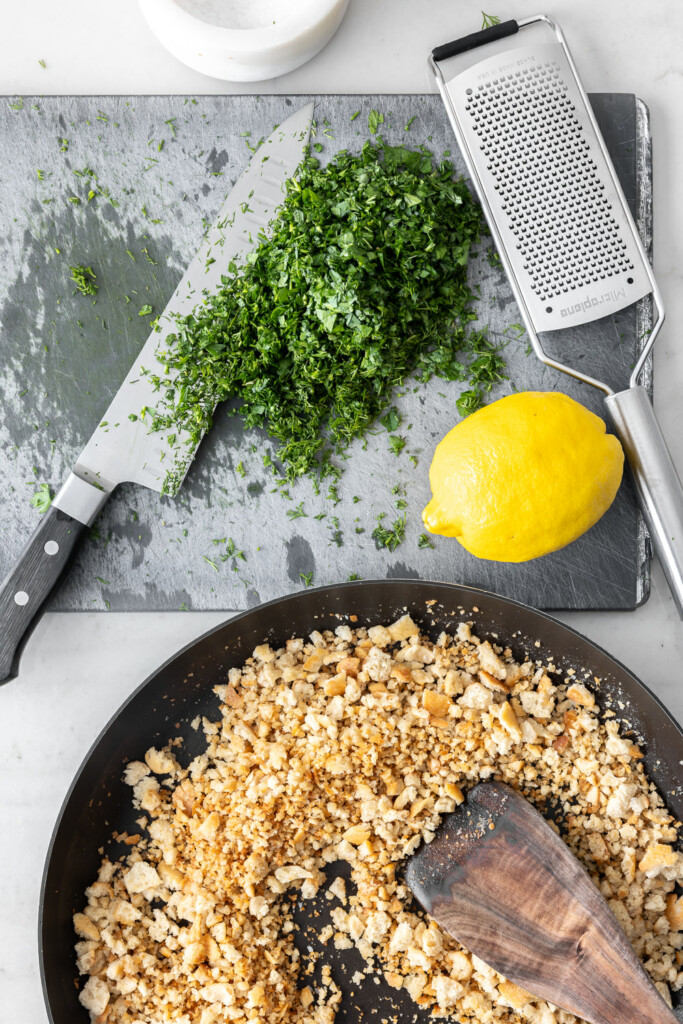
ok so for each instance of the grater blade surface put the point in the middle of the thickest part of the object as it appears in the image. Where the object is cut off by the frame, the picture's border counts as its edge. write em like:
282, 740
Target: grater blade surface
541, 173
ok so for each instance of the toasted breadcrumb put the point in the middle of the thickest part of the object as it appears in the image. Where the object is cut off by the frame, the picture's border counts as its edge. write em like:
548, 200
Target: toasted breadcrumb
351, 746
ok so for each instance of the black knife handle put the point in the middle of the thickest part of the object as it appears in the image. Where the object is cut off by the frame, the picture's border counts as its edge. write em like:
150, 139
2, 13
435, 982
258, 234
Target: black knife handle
25, 590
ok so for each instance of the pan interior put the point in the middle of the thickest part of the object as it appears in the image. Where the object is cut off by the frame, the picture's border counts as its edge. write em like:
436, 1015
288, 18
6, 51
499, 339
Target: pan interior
99, 803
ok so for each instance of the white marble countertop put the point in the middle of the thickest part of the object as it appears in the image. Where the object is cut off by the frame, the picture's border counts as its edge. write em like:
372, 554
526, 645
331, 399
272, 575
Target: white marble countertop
78, 668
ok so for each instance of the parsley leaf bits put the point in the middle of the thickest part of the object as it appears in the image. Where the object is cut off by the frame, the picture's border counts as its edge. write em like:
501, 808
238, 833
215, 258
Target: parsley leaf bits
42, 499
85, 280
363, 280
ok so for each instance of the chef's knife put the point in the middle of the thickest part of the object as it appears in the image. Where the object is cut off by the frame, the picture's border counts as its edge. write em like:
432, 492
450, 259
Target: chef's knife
123, 448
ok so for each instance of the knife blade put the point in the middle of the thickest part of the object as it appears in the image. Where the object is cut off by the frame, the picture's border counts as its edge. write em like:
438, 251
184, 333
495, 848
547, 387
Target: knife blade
123, 448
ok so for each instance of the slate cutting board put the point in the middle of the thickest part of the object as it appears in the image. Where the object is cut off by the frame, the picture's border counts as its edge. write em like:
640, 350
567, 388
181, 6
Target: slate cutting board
159, 168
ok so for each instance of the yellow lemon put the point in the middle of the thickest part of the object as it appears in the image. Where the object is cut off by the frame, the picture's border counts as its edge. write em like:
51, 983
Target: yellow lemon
523, 476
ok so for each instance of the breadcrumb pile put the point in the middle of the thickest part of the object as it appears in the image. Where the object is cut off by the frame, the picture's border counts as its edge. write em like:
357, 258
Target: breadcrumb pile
351, 746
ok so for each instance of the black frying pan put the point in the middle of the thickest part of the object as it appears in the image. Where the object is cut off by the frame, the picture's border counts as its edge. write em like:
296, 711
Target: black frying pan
163, 706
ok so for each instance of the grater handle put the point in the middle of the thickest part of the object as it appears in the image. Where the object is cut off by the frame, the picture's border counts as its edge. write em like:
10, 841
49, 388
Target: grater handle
657, 482
475, 39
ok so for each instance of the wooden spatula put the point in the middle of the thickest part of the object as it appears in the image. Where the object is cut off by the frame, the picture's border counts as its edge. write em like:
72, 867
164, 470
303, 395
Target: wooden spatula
504, 884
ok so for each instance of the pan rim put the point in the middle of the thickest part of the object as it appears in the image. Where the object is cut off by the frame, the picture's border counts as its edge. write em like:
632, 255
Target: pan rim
286, 599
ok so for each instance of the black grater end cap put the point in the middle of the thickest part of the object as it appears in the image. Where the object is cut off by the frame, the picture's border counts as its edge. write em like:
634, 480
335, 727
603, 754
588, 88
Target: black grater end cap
487, 35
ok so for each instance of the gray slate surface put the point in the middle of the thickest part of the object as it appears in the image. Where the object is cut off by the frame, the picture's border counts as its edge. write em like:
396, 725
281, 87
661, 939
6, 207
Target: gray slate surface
62, 357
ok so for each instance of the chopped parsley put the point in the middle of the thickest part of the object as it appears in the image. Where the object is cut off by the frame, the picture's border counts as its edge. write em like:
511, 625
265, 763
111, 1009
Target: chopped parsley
468, 402
517, 329
231, 551
85, 280
386, 537
306, 578
374, 289
492, 257
298, 512
42, 499
145, 310
375, 119
392, 419
486, 367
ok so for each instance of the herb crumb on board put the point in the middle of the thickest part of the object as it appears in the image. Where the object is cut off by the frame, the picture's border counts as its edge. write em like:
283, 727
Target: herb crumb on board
85, 280
389, 537
42, 499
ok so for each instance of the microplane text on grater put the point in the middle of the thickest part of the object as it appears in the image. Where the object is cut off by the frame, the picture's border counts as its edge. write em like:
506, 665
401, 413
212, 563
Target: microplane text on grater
562, 226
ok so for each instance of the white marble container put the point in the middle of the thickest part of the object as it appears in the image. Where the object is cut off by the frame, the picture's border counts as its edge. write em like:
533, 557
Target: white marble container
244, 40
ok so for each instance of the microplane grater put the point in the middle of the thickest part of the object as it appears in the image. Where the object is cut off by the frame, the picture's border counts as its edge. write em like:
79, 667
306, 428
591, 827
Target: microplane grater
549, 189
563, 229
